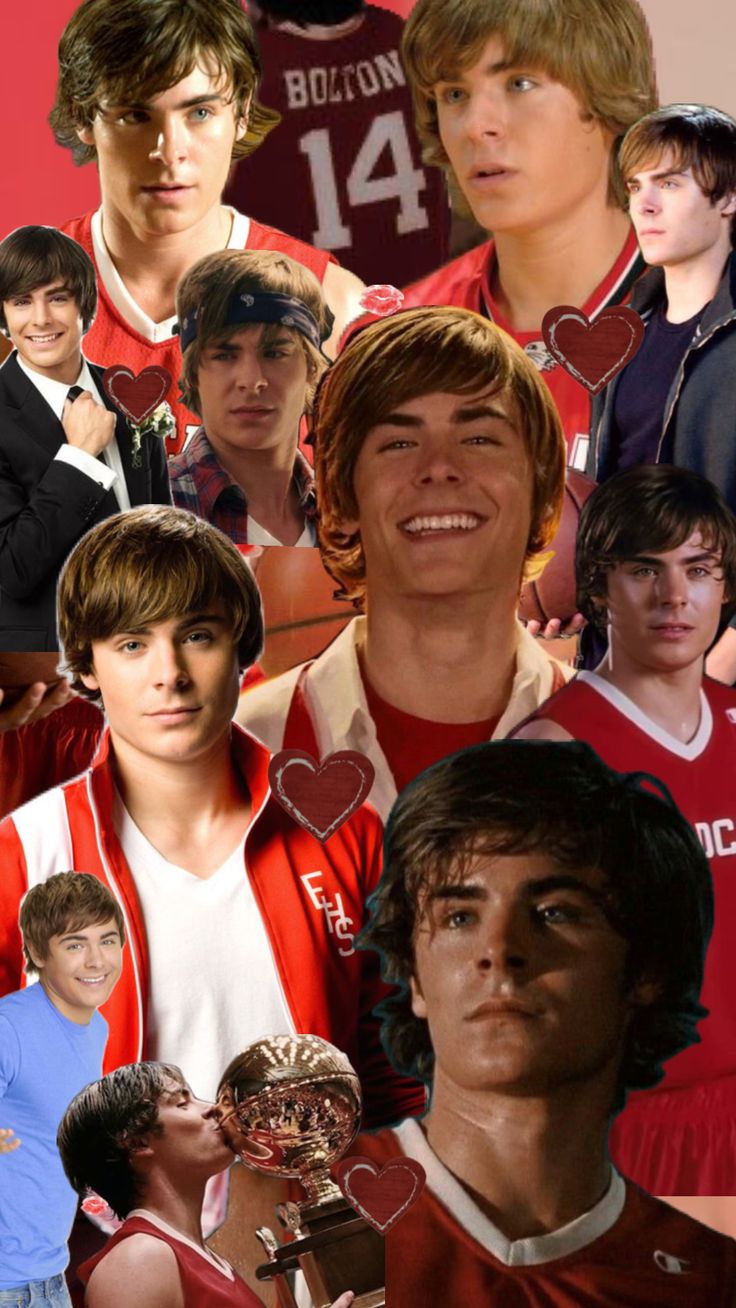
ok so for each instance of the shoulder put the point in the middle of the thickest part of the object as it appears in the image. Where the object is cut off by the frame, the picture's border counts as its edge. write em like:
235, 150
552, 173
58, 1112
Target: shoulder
452, 282
263, 237
686, 1240
541, 728
720, 696
80, 229
142, 1260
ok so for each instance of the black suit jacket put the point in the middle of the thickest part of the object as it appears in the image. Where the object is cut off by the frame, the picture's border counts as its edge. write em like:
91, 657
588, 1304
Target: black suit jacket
46, 505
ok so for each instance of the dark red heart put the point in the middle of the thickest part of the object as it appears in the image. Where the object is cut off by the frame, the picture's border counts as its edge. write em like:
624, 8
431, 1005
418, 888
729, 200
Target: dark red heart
382, 1196
320, 796
136, 397
592, 352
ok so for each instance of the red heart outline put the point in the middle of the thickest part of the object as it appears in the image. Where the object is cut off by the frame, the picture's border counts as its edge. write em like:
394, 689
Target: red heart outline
309, 799
382, 1196
592, 352
136, 396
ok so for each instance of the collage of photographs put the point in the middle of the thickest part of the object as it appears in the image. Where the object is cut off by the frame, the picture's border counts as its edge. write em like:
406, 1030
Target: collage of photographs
368, 654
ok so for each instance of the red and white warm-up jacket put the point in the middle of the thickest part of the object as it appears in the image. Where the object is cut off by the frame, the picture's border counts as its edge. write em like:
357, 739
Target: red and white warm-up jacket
311, 897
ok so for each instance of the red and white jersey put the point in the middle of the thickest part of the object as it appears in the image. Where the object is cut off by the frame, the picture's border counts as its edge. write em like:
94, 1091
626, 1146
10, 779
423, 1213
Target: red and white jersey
466, 282
311, 897
123, 333
629, 1251
343, 169
700, 777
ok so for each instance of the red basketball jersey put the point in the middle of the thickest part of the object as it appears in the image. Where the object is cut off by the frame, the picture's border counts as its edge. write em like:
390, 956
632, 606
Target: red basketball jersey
700, 777
343, 168
632, 1251
466, 282
111, 339
202, 1283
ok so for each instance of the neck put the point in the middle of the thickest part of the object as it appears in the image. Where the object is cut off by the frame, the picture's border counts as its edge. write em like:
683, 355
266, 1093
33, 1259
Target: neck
178, 1203
692, 284
319, 31
532, 1165
79, 1016
183, 797
670, 698
151, 264
266, 478
431, 657
561, 264
67, 372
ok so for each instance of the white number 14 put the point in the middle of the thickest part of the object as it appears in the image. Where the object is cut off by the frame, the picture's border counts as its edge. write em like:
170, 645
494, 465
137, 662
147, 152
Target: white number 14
405, 183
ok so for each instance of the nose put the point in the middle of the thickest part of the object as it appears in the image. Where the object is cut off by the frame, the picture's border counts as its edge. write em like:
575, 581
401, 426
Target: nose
671, 588
93, 958
171, 142
647, 200
504, 947
40, 311
250, 373
210, 1112
170, 665
484, 115
438, 462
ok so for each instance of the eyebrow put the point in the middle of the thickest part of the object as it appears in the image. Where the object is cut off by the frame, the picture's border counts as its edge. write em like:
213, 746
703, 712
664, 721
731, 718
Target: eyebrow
500, 66
658, 177
75, 935
464, 890
232, 345
212, 98
464, 413
702, 557
181, 626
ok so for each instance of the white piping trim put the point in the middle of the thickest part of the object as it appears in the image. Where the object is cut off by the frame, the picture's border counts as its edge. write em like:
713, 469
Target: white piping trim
687, 750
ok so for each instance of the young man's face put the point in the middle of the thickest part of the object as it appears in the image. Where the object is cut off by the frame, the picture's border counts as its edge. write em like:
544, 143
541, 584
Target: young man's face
520, 977
664, 609
675, 222
169, 690
443, 487
192, 1142
253, 390
80, 968
46, 329
163, 164
524, 153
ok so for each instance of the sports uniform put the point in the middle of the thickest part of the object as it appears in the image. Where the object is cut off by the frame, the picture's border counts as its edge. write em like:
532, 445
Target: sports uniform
628, 1250
205, 1277
346, 147
664, 1138
466, 282
322, 706
309, 900
123, 333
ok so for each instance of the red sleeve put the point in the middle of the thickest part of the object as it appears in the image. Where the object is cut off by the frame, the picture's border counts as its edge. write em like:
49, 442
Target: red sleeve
13, 886
48, 752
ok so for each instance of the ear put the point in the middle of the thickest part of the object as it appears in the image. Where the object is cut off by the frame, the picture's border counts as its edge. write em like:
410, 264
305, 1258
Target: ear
86, 135
36, 959
241, 124
418, 1006
138, 1145
729, 204
89, 680
348, 526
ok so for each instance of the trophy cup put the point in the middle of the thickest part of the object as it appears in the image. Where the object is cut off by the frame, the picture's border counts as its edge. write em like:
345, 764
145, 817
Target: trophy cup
290, 1106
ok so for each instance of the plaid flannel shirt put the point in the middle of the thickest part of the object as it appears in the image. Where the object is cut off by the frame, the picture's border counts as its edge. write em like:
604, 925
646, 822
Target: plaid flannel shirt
200, 483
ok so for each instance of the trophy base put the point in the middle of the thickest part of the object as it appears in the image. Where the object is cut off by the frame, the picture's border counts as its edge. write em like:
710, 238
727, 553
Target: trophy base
339, 1251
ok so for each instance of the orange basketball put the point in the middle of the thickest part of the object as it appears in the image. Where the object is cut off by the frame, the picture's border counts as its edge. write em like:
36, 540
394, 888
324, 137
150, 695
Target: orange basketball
553, 594
300, 613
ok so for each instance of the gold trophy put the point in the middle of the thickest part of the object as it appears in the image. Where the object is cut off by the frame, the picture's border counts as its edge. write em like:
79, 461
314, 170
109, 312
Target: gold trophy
290, 1107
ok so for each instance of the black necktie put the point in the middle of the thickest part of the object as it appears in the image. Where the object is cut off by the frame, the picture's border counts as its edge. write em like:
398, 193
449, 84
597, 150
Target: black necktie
73, 392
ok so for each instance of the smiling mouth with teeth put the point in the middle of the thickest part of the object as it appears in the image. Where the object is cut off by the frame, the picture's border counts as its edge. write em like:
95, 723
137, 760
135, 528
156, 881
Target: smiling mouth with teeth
441, 522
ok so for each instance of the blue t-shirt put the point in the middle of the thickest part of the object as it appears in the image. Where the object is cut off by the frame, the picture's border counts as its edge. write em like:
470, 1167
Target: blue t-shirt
45, 1060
